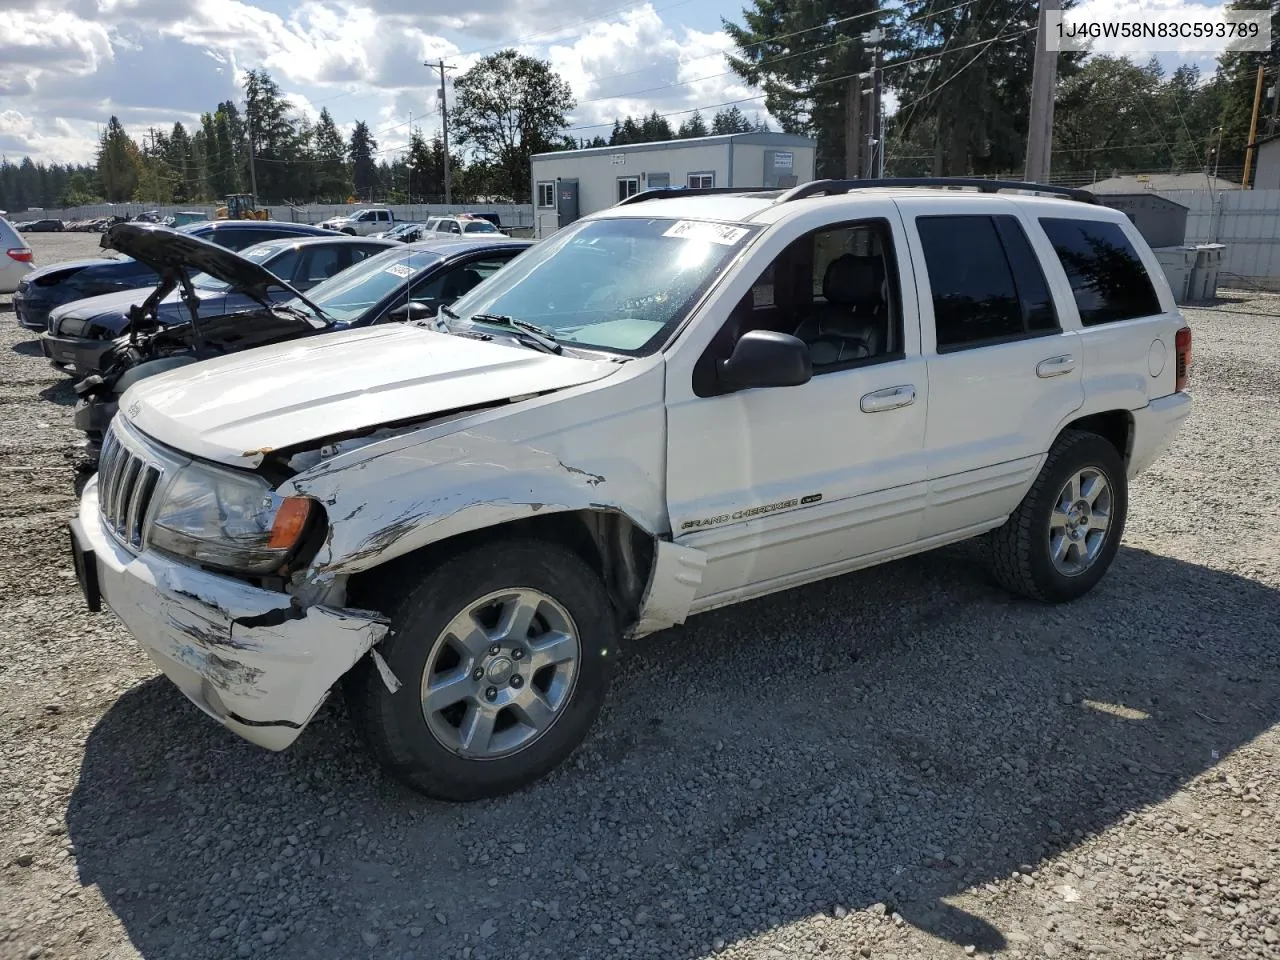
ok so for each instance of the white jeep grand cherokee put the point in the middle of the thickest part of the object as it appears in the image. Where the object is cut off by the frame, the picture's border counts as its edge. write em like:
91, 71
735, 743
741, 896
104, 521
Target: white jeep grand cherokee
685, 401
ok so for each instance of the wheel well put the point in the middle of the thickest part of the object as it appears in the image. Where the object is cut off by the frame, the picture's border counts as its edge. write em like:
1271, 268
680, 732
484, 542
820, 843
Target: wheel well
607, 540
1115, 426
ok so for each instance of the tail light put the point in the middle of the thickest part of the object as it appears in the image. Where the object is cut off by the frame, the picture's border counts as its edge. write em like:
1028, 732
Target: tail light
1182, 348
21, 254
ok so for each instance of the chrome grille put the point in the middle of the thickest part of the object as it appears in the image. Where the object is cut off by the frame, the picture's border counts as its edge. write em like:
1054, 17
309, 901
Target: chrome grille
126, 484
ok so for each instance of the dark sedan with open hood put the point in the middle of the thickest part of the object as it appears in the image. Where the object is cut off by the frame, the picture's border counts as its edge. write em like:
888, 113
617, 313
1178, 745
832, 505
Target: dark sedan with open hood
405, 282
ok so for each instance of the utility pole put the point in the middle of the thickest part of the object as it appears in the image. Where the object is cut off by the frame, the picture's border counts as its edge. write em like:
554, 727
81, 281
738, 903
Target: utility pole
444, 127
852, 128
873, 161
1044, 77
1253, 127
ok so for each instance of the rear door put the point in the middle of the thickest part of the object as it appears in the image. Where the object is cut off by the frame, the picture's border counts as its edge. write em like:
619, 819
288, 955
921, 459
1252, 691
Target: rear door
1004, 367
1128, 322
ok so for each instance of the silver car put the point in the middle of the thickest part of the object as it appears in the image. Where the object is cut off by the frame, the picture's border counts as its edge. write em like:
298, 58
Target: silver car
16, 260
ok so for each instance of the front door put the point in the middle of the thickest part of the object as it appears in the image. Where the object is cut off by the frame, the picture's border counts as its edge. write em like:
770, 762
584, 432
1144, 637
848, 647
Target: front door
567, 201
1003, 372
778, 485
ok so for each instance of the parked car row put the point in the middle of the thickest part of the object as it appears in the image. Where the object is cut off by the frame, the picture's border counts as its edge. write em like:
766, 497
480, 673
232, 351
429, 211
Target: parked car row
685, 401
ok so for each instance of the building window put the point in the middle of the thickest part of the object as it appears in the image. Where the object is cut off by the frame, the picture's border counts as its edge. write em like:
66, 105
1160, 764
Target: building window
702, 181
628, 187
546, 194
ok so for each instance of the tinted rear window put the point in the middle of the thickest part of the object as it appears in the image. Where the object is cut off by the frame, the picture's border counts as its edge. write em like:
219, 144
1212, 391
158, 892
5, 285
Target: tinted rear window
1107, 276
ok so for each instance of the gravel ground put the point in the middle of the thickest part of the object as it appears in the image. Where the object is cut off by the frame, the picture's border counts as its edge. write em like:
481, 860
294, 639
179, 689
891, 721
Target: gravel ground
899, 763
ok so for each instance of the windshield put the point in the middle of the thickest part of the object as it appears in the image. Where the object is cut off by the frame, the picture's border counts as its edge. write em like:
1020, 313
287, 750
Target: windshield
265, 255
619, 284
481, 226
350, 294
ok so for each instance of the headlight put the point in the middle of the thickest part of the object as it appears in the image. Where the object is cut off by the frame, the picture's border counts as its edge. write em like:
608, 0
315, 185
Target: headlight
228, 519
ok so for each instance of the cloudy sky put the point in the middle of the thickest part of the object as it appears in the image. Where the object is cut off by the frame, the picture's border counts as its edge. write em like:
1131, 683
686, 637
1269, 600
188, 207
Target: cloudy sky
67, 65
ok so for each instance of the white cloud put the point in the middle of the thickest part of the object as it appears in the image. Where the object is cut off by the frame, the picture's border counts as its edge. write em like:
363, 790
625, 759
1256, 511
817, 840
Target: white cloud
637, 64
77, 62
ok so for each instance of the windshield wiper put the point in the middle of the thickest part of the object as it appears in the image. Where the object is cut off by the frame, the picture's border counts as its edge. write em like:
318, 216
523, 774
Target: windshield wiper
544, 339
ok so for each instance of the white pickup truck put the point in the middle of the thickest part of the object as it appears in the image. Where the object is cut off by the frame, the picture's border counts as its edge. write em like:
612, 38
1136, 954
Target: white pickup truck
362, 223
688, 400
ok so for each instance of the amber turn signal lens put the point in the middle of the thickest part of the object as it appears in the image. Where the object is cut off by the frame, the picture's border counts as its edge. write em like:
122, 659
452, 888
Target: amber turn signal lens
291, 520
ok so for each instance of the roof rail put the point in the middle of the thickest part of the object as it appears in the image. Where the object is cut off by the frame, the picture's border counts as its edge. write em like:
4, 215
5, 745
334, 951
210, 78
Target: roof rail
666, 193
825, 187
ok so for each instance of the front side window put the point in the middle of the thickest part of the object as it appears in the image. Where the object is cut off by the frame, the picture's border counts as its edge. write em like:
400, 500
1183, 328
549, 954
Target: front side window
835, 288
702, 181
977, 299
349, 295
546, 194
628, 187
620, 285
1107, 276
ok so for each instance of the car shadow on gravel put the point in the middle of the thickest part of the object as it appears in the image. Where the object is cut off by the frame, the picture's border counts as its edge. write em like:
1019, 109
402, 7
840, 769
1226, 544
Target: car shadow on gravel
893, 737
28, 348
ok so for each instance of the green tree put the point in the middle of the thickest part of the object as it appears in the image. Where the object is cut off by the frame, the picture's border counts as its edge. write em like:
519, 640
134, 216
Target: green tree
178, 155
332, 176
119, 162
730, 120
510, 106
1107, 117
1238, 75
655, 128
279, 146
360, 153
801, 55
693, 126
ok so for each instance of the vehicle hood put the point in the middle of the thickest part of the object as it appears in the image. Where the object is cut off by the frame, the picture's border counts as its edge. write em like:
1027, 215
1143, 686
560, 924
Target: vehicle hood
235, 409
163, 248
337, 220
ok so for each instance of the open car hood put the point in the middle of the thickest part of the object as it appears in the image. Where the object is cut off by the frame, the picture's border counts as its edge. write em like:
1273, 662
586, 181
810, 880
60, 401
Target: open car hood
163, 249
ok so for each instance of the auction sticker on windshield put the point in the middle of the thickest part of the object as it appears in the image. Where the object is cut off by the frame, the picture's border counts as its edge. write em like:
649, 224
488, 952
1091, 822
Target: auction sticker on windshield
400, 270
701, 230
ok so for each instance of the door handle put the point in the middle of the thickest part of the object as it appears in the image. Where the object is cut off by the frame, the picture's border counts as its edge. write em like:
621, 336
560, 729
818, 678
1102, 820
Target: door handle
1056, 366
891, 398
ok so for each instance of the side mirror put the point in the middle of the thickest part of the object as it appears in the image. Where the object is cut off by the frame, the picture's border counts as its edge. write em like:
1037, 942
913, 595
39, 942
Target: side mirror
413, 310
765, 358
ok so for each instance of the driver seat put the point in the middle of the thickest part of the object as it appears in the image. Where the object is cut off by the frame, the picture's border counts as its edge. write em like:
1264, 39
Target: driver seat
458, 283
850, 325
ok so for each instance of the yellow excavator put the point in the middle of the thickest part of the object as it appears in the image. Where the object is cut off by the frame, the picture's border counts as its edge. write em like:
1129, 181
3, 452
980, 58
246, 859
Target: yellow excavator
240, 206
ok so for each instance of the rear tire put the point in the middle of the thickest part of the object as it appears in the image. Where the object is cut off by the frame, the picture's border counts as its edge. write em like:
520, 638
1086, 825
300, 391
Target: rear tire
504, 654
1063, 536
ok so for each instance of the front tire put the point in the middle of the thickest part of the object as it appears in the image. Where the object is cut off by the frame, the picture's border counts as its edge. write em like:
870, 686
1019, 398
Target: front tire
504, 654
1064, 535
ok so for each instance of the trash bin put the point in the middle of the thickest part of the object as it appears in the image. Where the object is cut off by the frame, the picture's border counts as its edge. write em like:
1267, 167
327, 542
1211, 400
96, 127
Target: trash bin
1204, 275
1178, 264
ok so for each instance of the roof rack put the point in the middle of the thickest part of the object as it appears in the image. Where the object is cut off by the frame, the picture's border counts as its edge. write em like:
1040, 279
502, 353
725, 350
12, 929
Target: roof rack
666, 193
826, 187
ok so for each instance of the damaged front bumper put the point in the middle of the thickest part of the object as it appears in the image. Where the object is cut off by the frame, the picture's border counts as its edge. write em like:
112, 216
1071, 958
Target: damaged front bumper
252, 659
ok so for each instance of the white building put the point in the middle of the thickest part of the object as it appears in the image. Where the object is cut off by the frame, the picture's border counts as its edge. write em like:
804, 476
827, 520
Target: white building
573, 183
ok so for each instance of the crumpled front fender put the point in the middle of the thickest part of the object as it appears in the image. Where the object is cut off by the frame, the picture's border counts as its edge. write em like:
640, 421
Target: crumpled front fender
389, 505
